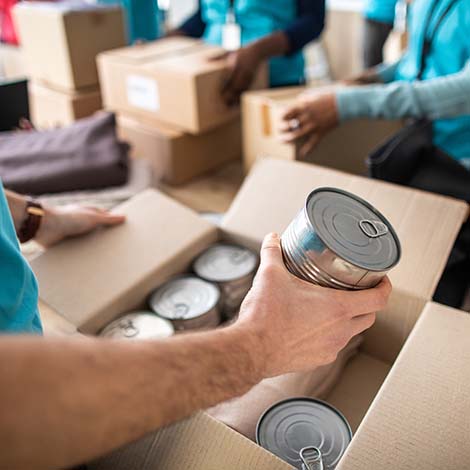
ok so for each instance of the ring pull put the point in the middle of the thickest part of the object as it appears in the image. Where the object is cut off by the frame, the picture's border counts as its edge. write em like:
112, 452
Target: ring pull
311, 458
181, 310
129, 329
373, 228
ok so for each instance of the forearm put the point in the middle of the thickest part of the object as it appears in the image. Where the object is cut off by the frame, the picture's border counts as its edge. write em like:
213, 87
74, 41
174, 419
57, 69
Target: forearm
17, 205
275, 44
73, 400
439, 98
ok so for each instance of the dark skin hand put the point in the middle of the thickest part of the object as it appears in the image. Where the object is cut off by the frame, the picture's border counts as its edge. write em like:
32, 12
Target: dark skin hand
244, 63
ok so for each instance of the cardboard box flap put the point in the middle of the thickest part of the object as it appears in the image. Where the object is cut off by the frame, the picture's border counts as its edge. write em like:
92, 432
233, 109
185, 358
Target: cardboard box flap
91, 279
152, 51
199, 443
420, 418
427, 224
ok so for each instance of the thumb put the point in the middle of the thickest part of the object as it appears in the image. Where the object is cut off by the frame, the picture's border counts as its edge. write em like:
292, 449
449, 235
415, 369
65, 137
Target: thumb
271, 253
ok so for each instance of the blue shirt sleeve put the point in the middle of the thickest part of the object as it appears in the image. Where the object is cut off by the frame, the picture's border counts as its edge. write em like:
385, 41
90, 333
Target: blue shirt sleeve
194, 26
438, 98
308, 25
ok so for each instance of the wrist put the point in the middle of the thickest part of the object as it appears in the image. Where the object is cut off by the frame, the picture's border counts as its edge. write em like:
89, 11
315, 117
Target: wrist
276, 44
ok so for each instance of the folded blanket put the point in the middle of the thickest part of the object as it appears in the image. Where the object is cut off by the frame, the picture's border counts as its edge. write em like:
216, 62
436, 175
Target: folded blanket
243, 413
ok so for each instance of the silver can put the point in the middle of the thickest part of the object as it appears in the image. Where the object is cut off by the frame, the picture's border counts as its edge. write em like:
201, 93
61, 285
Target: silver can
306, 433
188, 302
138, 325
232, 268
339, 240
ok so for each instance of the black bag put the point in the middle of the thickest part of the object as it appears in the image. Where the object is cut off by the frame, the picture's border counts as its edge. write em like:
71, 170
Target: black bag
85, 155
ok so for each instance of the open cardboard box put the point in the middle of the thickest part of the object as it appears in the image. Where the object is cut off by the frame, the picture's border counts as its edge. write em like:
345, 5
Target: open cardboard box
171, 80
345, 148
92, 280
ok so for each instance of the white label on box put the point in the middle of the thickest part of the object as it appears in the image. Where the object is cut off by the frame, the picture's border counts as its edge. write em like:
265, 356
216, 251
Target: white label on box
142, 92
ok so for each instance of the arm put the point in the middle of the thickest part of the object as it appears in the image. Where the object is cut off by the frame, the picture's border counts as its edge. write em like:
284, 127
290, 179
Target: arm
60, 223
72, 400
438, 98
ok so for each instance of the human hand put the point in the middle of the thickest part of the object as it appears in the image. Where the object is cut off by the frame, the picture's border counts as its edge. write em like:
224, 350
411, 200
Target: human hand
310, 120
296, 326
243, 64
70, 221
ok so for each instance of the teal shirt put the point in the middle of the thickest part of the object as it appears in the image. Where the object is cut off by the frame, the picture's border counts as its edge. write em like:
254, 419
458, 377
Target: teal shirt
257, 18
18, 286
442, 96
380, 10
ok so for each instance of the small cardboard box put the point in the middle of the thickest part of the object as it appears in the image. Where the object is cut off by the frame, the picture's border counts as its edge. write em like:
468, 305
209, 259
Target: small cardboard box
112, 271
178, 157
171, 80
60, 40
52, 108
345, 148
12, 63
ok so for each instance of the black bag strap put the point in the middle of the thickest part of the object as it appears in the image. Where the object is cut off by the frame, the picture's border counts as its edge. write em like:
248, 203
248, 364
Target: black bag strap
428, 39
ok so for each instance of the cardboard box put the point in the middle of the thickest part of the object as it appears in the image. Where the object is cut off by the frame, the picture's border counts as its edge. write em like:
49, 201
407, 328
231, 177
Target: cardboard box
170, 80
12, 62
116, 269
53, 108
60, 41
178, 157
345, 148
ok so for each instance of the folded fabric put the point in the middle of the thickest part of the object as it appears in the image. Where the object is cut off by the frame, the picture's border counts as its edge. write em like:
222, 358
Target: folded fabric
86, 155
243, 413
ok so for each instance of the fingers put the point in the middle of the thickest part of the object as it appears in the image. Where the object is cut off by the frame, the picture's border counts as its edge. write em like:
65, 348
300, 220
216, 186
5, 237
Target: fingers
308, 146
362, 323
368, 300
271, 253
108, 219
217, 57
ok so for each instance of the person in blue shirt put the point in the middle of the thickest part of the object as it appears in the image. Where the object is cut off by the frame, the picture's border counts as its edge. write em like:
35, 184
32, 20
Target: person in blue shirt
275, 30
18, 287
379, 16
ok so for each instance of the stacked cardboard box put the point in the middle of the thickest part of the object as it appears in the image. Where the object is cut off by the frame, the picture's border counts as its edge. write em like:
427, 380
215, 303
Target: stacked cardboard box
345, 148
405, 393
60, 42
167, 95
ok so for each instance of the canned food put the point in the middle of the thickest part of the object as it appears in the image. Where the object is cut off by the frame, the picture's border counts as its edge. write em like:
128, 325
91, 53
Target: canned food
304, 432
339, 240
232, 268
138, 325
188, 302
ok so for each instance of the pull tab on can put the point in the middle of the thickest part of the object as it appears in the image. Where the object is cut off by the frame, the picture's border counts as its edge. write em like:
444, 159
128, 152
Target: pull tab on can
311, 458
373, 228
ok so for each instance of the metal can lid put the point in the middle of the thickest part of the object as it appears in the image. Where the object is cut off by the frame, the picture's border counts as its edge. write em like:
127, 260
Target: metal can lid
353, 229
184, 298
224, 262
292, 425
138, 325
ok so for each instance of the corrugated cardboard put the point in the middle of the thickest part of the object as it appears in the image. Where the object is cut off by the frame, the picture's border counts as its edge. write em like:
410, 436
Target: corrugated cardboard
171, 80
178, 157
426, 224
52, 108
12, 62
417, 420
60, 41
345, 148
112, 270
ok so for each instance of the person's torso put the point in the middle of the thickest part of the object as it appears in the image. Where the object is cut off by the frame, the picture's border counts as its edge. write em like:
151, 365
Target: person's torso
257, 18
380, 10
18, 287
449, 53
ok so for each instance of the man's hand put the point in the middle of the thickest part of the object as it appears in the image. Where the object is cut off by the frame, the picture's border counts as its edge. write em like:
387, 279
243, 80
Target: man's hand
310, 120
70, 221
297, 325
243, 64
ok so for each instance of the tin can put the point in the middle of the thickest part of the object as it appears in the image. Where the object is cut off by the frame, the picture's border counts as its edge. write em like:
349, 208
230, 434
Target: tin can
339, 240
232, 268
304, 432
188, 302
138, 325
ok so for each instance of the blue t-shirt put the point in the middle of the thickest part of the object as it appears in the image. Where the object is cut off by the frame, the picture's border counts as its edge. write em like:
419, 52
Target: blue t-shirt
18, 286
380, 10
